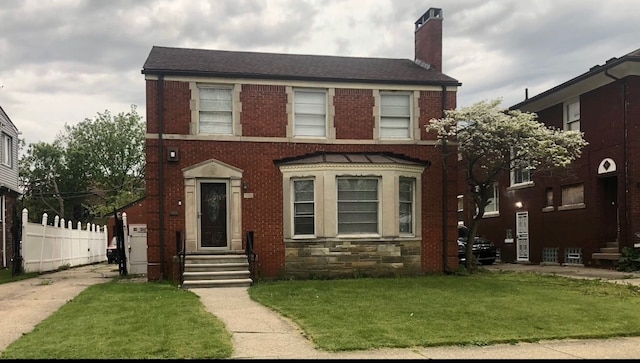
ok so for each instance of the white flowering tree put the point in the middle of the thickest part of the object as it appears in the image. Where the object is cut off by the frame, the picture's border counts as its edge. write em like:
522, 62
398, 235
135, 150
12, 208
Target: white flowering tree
492, 141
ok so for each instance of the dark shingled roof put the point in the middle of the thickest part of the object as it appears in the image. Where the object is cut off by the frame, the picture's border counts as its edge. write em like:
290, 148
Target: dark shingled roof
352, 158
202, 62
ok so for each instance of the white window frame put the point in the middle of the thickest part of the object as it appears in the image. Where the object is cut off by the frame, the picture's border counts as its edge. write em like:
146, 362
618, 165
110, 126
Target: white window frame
342, 202
7, 150
409, 205
297, 202
493, 208
460, 210
326, 176
202, 108
396, 120
309, 117
572, 114
520, 176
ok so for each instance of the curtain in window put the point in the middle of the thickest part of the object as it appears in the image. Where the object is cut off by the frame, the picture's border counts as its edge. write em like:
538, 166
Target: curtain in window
357, 205
395, 116
310, 113
406, 205
216, 110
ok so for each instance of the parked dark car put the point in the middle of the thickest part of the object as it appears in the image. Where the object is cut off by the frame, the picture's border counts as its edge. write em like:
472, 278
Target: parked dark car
112, 251
483, 249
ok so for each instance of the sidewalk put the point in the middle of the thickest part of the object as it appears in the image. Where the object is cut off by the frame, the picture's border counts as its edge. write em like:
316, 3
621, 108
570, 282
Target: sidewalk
260, 333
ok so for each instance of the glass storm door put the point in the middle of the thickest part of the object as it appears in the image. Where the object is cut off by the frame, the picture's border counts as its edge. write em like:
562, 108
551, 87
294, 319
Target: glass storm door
212, 216
522, 236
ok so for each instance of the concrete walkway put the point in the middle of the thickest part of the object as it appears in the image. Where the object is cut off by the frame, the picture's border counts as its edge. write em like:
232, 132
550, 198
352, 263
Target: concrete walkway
260, 333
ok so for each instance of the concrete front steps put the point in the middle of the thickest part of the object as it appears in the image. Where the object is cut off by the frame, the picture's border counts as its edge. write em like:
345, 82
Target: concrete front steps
216, 270
607, 256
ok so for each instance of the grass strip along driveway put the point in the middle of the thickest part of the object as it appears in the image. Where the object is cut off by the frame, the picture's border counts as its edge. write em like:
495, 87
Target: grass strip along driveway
158, 320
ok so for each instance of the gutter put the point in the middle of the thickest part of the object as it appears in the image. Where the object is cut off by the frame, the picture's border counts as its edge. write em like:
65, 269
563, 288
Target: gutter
160, 105
624, 152
445, 237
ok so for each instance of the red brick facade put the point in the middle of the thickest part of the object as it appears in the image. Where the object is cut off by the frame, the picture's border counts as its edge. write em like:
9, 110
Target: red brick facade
609, 115
264, 115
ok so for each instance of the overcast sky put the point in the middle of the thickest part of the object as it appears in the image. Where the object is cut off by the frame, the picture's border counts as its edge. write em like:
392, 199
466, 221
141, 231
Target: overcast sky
62, 61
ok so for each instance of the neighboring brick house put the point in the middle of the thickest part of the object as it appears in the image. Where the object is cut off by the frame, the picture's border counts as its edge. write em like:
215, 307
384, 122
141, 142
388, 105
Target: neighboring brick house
324, 158
136, 214
9, 192
588, 214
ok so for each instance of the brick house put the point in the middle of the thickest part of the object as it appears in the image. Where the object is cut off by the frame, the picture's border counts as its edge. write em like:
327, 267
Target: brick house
136, 214
324, 160
588, 214
9, 192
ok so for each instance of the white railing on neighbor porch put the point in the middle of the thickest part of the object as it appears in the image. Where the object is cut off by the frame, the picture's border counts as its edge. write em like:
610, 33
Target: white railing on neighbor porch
50, 247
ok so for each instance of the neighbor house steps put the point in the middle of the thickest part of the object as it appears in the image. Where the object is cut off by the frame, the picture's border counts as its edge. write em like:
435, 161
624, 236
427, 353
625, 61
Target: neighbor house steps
216, 270
607, 255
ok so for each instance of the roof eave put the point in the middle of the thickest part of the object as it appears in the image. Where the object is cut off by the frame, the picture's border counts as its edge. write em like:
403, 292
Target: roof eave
172, 72
596, 77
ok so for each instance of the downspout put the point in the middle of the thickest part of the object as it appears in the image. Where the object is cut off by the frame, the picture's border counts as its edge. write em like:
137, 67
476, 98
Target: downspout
3, 217
160, 95
445, 237
624, 153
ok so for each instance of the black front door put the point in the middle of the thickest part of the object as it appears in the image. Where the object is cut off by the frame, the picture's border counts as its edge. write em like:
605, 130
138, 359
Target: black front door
213, 215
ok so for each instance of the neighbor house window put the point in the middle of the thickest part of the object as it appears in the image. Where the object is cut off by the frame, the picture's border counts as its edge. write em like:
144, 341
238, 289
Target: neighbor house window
573, 194
549, 197
395, 116
405, 198
493, 207
215, 111
357, 205
310, 113
7, 150
572, 115
520, 175
303, 207
460, 199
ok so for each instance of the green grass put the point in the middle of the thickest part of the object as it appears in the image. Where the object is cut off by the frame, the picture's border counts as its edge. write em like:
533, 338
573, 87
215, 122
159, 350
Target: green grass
485, 308
6, 276
144, 320
121, 319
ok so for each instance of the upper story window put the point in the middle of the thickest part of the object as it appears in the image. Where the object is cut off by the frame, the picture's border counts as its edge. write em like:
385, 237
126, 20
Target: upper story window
572, 115
303, 207
357, 205
520, 175
7, 150
395, 116
310, 113
405, 198
493, 207
460, 199
215, 111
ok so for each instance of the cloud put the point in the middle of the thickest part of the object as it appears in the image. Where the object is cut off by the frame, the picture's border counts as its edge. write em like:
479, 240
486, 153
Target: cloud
66, 60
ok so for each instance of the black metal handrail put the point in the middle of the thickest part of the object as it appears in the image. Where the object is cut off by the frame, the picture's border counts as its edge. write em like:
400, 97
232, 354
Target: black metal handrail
181, 246
252, 256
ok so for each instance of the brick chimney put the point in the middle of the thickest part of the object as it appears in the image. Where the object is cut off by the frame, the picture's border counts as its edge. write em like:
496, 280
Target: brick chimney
428, 39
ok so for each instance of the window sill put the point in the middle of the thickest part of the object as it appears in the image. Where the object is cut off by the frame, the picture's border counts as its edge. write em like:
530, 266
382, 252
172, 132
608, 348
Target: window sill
491, 214
572, 206
521, 186
548, 209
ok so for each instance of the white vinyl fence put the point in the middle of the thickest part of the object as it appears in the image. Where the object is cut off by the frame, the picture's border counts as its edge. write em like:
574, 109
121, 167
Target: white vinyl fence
49, 247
